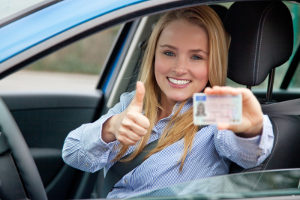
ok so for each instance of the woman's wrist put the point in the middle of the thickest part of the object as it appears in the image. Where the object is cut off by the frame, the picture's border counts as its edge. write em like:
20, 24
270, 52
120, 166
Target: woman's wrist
108, 130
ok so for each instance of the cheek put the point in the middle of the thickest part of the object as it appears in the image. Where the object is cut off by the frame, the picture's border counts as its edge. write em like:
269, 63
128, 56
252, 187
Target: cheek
161, 67
158, 70
200, 73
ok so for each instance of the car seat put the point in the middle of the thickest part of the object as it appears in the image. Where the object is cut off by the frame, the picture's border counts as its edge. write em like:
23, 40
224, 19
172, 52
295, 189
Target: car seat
261, 40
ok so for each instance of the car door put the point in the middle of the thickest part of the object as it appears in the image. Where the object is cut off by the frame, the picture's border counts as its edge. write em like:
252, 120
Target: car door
45, 117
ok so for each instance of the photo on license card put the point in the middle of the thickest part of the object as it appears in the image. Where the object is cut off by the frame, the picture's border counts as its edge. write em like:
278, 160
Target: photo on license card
214, 109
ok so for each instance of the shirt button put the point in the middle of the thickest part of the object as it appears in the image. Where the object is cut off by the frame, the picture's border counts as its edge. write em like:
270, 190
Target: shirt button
259, 152
104, 148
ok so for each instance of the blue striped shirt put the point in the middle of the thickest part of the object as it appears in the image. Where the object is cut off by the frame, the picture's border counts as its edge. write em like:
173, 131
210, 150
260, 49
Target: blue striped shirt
211, 153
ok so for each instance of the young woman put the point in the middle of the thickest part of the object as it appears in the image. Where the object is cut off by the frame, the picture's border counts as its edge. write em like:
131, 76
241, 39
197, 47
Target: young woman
186, 53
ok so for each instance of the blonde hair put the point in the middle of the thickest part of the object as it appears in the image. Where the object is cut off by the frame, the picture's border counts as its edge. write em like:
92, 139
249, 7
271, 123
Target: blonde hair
180, 125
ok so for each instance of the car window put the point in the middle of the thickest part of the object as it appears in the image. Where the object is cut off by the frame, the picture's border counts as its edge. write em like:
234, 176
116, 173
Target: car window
281, 70
295, 83
232, 186
295, 10
75, 67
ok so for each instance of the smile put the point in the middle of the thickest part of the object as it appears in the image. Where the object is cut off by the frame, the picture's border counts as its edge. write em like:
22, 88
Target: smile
178, 82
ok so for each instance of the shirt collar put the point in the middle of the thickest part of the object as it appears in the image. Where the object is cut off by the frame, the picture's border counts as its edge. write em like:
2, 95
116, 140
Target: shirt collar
162, 122
185, 107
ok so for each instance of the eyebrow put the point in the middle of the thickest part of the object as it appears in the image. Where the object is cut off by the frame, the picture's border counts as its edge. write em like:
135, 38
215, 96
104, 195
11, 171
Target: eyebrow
172, 47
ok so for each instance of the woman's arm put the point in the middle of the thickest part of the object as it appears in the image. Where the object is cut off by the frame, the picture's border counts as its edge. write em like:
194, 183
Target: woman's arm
250, 142
247, 152
85, 149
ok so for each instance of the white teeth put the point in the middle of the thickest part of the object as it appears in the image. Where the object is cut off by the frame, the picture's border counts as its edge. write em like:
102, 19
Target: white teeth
178, 82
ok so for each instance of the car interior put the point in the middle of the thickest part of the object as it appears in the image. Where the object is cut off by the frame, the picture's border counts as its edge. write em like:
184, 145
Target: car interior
261, 41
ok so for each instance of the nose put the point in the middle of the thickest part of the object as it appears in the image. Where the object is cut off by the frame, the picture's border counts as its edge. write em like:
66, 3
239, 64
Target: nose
180, 67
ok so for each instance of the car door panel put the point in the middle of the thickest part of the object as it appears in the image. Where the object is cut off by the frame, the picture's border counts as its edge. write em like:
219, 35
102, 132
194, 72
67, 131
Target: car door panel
45, 120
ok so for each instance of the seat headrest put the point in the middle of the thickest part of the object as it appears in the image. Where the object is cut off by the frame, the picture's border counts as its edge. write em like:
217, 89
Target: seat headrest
221, 11
261, 39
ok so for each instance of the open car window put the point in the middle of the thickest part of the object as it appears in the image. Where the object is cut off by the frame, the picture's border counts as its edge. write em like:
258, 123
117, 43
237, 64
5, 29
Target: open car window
75, 67
295, 83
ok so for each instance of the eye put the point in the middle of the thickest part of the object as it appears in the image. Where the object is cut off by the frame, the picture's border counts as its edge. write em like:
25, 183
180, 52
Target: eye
169, 53
196, 57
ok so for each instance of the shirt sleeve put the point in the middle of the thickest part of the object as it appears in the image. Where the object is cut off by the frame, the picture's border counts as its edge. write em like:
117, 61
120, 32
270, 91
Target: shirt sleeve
84, 148
246, 152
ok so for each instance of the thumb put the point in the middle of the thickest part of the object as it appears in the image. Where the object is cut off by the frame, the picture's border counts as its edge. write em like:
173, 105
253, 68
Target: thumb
139, 96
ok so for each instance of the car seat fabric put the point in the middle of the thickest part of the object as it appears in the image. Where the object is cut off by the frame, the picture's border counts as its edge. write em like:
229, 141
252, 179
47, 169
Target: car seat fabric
261, 39
285, 119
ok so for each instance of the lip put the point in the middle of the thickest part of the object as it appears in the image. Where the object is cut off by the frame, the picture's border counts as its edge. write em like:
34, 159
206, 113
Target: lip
173, 85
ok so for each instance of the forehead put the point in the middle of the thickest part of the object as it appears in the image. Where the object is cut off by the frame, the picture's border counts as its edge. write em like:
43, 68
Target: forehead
183, 32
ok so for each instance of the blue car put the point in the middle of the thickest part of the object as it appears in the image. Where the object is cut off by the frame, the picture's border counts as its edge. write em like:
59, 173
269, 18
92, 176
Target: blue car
263, 56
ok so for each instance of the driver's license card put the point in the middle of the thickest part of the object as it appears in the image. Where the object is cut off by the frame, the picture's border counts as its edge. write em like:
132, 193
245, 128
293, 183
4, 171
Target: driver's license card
214, 109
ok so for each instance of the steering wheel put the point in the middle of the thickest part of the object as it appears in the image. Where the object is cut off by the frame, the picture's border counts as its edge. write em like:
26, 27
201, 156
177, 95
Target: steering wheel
24, 163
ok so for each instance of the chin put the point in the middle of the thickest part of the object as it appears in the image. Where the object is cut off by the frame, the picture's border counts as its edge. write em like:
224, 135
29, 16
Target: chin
180, 98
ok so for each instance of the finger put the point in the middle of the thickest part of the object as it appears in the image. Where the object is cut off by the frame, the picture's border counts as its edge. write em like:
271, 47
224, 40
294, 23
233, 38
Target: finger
126, 132
207, 90
224, 90
222, 126
247, 94
139, 118
137, 101
125, 141
136, 128
140, 92
133, 137
126, 136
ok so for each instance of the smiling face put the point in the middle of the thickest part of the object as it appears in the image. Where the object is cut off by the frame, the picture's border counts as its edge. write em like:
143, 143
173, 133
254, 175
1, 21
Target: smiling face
181, 61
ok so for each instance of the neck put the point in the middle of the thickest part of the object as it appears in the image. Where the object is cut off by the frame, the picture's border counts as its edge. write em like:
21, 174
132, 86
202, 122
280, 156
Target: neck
167, 106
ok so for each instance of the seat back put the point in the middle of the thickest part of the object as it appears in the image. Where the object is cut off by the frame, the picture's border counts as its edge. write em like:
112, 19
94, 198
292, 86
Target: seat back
261, 40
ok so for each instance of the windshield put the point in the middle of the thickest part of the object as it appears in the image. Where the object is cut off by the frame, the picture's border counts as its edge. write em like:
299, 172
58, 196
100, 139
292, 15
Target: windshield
251, 184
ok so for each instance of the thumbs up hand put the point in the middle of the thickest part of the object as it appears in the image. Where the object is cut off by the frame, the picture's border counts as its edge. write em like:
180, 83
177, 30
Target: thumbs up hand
131, 125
